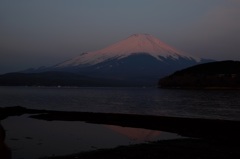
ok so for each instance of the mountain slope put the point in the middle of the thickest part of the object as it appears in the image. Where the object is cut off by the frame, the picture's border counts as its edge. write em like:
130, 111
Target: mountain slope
137, 43
140, 59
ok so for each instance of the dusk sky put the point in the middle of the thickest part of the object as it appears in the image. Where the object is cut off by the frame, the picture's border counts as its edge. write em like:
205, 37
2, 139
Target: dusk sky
36, 33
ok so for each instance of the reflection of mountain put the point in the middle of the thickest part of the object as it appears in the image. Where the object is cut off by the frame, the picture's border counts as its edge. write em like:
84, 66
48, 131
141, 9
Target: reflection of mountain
135, 133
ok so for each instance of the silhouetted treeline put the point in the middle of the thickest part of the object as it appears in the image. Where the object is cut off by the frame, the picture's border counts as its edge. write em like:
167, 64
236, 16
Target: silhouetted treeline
53, 79
223, 74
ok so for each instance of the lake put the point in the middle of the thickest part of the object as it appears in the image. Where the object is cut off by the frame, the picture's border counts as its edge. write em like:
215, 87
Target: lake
222, 104
31, 138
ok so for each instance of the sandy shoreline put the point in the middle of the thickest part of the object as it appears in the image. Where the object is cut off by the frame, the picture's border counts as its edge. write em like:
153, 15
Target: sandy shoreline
214, 129
208, 138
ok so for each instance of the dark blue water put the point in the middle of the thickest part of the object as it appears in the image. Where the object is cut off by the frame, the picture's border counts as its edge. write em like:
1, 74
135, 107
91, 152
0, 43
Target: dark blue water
220, 104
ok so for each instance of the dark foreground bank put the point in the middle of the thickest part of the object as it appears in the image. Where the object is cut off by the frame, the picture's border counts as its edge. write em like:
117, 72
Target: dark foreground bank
212, 129
168, 149
209, 138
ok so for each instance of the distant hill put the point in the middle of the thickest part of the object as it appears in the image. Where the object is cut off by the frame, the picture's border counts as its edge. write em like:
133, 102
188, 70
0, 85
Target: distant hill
222, 74
54, 79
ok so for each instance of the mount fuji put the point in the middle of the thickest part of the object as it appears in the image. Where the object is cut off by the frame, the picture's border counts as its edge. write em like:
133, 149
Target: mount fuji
133, 45
139, 60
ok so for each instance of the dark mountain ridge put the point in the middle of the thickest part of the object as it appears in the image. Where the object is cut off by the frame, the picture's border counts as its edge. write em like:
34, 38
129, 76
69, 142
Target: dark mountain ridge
54, 79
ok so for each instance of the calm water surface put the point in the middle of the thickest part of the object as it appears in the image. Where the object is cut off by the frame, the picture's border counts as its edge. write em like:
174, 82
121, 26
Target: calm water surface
223, 104
30, 138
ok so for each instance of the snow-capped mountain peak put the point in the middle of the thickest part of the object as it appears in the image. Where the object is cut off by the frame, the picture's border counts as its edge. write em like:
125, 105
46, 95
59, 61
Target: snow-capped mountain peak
134, 44
139, 60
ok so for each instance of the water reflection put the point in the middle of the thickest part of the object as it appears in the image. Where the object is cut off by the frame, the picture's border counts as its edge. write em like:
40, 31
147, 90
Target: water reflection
47, 138
5, 152
136, 134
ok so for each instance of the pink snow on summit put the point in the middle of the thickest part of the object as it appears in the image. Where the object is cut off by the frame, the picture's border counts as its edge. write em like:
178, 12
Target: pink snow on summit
139, 43
134, 44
